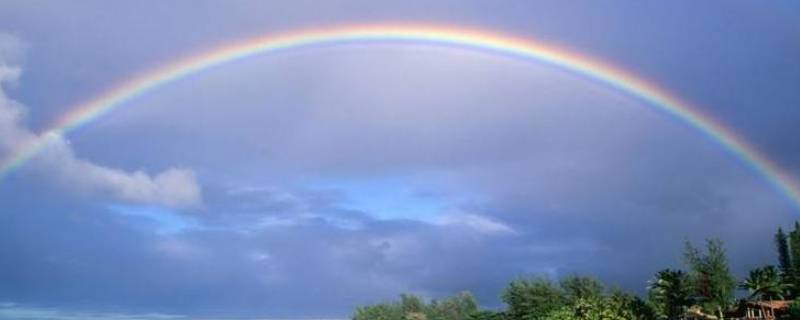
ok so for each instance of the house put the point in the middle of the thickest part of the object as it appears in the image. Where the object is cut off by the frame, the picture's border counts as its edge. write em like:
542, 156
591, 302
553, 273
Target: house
758, 310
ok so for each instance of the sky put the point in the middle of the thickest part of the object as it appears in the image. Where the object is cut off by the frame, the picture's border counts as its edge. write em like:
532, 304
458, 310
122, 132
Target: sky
304, 183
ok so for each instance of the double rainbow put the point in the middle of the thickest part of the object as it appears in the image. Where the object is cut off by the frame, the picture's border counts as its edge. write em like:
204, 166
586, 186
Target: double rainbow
434, 35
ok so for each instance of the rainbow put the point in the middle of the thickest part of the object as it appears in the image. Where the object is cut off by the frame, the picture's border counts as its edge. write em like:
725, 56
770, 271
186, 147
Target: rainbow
434, 35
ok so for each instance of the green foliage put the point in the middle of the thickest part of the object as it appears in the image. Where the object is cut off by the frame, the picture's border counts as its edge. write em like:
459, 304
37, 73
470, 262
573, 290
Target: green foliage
487, 315
788, 273
617, 306
794, 311
563, 313
411, 307
642, 310
383, 311
794, 246
577, 287
791, 275
410, 303
532, 299
782, 246
600, 309
765, 284
577, 298
623, 303
671, 293
710, 276
459, 307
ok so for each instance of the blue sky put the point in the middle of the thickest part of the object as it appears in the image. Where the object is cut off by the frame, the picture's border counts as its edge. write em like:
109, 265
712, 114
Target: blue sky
302, 184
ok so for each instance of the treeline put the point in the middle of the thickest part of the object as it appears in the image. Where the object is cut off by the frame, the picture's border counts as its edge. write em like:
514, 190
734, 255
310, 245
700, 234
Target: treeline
706, 286
526, 299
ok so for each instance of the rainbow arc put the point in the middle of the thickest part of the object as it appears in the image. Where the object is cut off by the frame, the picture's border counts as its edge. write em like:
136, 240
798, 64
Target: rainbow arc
526, 49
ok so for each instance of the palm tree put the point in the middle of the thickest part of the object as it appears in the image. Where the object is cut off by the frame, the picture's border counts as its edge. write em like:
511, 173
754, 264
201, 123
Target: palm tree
671, 292
765, 284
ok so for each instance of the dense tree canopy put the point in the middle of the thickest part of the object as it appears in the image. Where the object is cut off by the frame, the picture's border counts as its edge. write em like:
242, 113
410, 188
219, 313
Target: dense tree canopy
765, 284
577, 287
460, 307
532, 299
671, 293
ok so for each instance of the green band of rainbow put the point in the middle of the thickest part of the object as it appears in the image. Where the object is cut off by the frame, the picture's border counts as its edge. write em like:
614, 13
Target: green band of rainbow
462, 37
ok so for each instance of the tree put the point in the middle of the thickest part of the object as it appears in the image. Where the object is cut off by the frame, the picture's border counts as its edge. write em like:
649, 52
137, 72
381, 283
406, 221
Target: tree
627, 306
577, 287
642, 310
616, 306
411, 307
563, 313
532, 299
793, 275
794, 249
454, 308
782, 245
765, 284
411, 303
788, 273
383, 311
487, 315
710, 276
671, 293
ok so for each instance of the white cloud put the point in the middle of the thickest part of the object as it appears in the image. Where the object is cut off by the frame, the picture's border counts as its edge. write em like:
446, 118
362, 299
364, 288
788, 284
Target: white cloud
173, 187
476, 222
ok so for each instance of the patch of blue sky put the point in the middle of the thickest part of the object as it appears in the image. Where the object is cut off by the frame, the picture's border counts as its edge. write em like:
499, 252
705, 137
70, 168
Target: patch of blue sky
162, 219
391, 197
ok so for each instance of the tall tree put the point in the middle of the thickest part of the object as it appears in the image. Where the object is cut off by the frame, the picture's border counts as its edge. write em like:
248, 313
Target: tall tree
670, 293
794, 248
782, 245
710, 276
793, 275
788, 272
